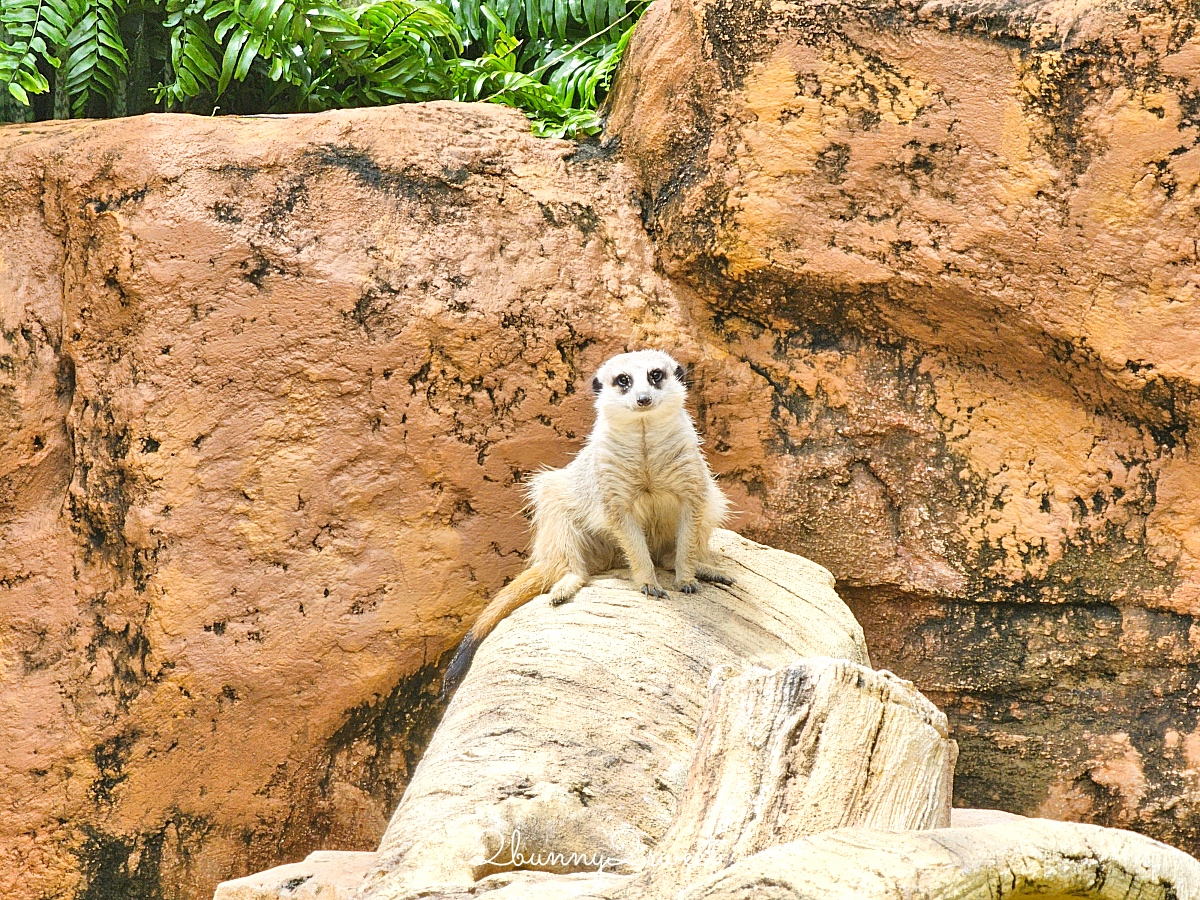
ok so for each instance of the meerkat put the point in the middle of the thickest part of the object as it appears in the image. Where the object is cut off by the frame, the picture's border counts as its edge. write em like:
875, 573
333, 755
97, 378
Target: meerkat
640, 489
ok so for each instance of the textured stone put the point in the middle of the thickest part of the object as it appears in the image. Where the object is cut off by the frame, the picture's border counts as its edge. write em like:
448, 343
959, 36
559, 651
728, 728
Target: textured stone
566, 748
813, 746
934, 264
266, 389
1011, 860
323, 875
956, 245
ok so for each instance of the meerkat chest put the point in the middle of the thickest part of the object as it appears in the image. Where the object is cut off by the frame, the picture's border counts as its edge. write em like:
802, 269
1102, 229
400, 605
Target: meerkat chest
651, 466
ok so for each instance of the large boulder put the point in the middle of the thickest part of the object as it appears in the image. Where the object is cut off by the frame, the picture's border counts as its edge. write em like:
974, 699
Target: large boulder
956, 243
572, 733
267, 387
781, 759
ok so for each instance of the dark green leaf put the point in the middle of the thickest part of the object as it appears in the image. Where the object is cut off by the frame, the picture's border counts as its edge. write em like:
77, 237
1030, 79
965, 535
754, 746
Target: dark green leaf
229, 61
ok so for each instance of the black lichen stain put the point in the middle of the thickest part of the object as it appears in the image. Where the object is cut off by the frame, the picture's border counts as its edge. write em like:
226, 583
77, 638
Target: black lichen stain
110, 757
130, 867
127, 655
411, 183
832, 161
227, 213
113, 870
99, 499
118, 200
733, 34
561, 215
381, 742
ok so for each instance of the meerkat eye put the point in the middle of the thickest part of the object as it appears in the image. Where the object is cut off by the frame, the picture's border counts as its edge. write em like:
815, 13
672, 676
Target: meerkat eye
623, 381
656, 376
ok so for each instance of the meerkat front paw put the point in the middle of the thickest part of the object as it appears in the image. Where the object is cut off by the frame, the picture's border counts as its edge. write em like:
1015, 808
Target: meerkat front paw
713, 576
653, 590
687, 587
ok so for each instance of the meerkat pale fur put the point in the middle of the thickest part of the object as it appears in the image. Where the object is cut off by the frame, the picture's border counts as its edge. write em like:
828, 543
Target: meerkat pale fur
639, 489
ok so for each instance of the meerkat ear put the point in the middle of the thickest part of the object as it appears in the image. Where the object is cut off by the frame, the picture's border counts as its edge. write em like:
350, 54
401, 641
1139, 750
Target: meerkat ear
596, 385
681, 375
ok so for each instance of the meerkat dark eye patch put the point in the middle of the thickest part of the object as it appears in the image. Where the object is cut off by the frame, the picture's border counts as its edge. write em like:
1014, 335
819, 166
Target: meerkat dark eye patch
656, 376
623, 382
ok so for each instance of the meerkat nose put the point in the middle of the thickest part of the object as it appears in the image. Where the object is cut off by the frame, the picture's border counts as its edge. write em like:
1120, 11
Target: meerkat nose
644, 400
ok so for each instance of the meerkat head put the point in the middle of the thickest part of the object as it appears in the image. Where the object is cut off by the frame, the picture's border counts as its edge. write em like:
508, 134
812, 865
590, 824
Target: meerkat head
637, 384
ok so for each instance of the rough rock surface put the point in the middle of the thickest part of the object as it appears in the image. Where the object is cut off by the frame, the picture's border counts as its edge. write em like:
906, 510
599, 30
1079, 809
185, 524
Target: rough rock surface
1034, 858
778, 758
322, 875
813, 746
936, 266
569, 740
1016, 858
266, 388
956, 244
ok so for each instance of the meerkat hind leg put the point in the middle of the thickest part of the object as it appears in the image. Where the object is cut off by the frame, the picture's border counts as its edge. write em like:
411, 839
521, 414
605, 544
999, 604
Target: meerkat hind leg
685, 551
566, 588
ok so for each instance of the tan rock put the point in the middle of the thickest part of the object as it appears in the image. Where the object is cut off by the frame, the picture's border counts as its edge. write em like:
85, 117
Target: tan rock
957, 241
324, 875
1036, 857
266, 389
566, 748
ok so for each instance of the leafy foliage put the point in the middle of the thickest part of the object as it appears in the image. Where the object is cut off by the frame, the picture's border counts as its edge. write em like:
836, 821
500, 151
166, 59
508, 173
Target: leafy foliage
310, 57
552, 58
561, 91
30, 29
98, 61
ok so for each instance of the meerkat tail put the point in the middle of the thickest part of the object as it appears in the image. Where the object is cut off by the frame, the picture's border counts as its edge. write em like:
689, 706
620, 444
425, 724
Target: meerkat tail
515, 594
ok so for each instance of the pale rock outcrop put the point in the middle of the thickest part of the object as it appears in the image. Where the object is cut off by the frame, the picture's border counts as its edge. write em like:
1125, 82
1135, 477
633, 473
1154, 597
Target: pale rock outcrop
813, 746
323, 875
1035, 857
572, 732
779, 755
1026, 857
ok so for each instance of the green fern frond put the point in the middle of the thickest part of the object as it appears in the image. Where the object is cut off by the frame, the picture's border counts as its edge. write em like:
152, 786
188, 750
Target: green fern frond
385, 51
31, 29
191, 49
97, 60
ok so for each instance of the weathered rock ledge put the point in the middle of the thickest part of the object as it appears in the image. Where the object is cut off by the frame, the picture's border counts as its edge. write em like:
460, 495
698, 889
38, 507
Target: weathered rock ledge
557, 770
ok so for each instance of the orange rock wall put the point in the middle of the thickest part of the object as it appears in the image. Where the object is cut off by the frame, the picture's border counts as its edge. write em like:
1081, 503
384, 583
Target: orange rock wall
957, 245
266, 389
